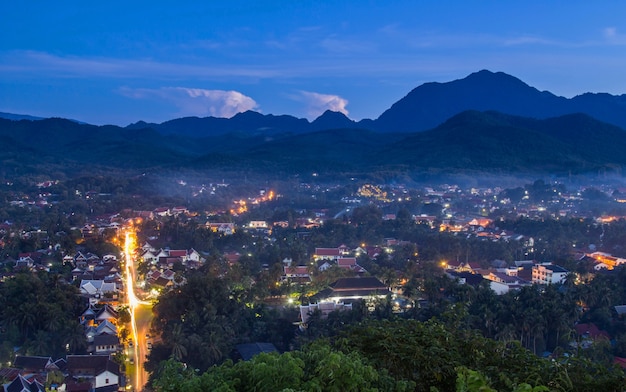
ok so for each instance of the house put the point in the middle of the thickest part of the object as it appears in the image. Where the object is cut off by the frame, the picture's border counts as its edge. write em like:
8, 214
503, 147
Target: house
325, 308
349, 263
24, 262
150, 256
327, 254
299, 273
99, 370
460, 266
501, 282
465, 277
193, 255
258, 225
106, 327
350, 289
179, 210
162, 282
548, 273
106, 344
323, 265
620, 309
162, 211
88, 317
22, 384
147, 247
588, 333
33, 364
96, 288
232, 258
106, 313
222, 228
179, 253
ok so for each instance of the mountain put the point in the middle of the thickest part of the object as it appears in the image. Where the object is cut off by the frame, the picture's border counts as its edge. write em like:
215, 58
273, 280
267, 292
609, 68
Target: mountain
496, 142
332, 120
469, 142
431, 104
248, 122
17, 117
425, 107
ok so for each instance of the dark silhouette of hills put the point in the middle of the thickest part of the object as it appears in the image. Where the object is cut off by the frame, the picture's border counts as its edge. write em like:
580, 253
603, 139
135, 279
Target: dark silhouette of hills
431, 104
423, 108
496, 142
17, 117
486, 122
332, 120
248, 122
471, 141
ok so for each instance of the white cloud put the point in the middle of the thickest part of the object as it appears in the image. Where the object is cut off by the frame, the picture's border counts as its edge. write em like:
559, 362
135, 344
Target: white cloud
317, 103
197, 101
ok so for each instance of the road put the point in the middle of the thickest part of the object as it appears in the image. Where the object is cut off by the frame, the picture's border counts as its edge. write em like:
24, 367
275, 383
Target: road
140, 314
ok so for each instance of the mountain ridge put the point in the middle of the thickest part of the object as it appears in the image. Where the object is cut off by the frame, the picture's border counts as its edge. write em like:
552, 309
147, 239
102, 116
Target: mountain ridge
471, 141
424, 107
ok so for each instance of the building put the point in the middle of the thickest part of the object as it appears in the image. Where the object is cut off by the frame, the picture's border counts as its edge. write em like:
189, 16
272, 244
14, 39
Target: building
548, 274
102, 373
351, 289
323, 307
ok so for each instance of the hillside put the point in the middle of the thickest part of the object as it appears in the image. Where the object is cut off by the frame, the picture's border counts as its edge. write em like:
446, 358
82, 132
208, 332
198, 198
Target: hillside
470, 142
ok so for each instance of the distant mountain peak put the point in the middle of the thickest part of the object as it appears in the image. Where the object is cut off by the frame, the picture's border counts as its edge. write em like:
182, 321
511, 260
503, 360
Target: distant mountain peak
248, 115
331, 119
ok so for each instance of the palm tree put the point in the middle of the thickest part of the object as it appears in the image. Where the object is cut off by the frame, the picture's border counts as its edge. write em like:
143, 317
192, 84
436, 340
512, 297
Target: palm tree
178, 338
39, 344
75, 340
27, 318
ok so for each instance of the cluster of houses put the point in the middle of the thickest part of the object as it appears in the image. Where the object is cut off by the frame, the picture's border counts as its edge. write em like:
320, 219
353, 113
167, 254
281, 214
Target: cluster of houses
162, 262
326, 258
75, 373
503, 278
100, 284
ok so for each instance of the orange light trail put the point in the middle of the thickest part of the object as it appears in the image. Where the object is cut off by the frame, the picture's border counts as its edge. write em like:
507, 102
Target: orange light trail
129, 246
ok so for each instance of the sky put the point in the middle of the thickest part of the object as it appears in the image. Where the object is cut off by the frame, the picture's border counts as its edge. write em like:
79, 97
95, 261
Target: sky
115, 62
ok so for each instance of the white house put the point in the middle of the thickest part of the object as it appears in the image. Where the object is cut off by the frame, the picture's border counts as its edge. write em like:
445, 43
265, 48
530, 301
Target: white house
99, 370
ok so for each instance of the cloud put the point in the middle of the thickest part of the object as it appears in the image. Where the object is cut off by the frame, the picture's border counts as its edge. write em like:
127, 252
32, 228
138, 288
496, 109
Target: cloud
610, 32
317, 103
528, 40
197, 101
31, 63
614, 37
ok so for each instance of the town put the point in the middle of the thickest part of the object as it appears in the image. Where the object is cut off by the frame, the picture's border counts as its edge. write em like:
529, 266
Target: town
101, 285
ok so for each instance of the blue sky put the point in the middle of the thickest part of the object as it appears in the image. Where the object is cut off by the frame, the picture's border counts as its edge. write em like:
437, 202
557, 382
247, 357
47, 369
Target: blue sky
119, 62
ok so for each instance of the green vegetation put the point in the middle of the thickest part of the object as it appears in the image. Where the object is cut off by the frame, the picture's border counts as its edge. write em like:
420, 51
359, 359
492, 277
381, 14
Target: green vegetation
398, 355
468, 142
39, 315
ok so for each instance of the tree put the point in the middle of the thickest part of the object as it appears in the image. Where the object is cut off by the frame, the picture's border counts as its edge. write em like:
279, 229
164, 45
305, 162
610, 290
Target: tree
315, 368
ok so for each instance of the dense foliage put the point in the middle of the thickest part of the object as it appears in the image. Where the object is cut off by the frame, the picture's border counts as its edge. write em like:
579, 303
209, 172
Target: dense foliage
39, 315
396, 356
203, 320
